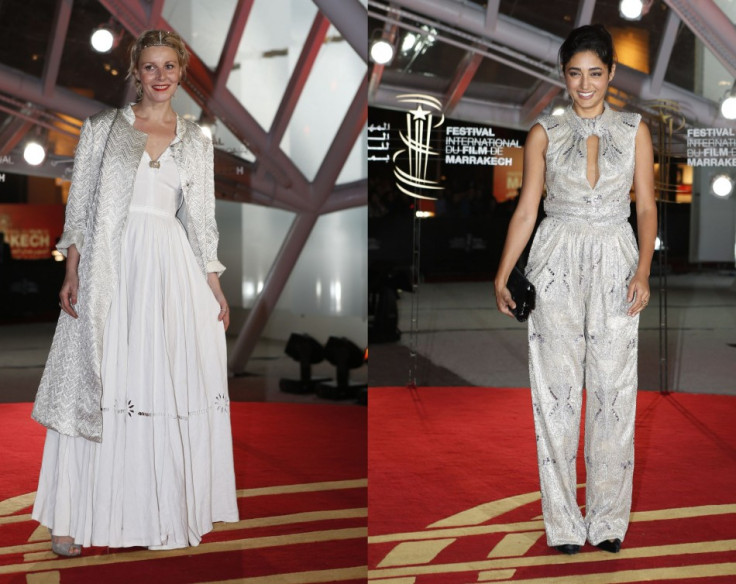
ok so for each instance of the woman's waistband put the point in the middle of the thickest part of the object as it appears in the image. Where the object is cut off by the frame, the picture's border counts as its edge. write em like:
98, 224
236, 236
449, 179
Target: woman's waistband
589, 220
151, 211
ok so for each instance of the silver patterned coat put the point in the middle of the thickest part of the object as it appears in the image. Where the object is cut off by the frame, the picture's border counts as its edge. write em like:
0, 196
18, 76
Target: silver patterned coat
105, 165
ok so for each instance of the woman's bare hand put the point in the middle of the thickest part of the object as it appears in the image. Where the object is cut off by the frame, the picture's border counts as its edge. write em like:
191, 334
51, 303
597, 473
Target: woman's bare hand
504, 301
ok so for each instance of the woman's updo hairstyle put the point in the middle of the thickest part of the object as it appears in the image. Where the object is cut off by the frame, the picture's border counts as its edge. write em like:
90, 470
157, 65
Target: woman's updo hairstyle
157, 38
591, 37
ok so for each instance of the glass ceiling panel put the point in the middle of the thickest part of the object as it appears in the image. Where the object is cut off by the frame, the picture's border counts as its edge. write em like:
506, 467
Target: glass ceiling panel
268, 51
337, 73
100, 76
203, 23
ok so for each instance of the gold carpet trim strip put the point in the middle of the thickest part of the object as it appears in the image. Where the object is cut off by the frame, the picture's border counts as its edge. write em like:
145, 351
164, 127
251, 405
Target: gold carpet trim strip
304, 488
415, 552
305, 517
626, 553
487, 511
205, 548
44, 578
658, 515
666, 575
515, 544
15, 518
316, 577
492, 576
15, 504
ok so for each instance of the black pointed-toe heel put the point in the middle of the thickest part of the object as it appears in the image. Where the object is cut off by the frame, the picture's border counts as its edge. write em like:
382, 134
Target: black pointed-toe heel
610, 545
568, 548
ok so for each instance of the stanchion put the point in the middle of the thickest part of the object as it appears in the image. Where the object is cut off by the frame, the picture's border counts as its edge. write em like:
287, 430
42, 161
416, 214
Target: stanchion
415, 278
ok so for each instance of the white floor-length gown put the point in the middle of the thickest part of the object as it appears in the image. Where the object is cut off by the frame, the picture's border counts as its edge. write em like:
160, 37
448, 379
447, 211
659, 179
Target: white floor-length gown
163, 472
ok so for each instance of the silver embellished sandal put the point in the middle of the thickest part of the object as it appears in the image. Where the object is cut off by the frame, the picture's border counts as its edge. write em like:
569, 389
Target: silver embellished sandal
65, 548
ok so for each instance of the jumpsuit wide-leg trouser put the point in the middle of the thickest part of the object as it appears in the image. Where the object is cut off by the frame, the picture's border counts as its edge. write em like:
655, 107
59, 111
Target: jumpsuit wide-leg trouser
580, 335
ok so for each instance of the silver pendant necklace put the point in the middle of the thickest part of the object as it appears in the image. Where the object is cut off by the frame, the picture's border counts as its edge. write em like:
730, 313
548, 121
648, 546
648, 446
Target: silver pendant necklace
154, 164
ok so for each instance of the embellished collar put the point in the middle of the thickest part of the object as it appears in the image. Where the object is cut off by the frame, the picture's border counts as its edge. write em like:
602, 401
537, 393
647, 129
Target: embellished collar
129, 115
588, 126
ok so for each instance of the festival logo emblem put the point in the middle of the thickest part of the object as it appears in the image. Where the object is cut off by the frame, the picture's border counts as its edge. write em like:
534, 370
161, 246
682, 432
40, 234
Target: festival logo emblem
418, 151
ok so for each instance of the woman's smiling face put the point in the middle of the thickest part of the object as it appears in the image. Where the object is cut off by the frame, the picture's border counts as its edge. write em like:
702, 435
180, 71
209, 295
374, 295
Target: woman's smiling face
587, 79
159, 73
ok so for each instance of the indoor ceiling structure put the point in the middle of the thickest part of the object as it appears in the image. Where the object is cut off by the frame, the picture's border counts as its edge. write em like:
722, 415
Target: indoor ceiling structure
495, 61
289, 148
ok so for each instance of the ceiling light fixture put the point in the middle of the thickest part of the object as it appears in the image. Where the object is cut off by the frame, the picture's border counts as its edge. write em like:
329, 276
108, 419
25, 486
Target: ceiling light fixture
382, 52
383, 48
721, 186
728, 105
34, 154
634, 9
102, 40
106, 37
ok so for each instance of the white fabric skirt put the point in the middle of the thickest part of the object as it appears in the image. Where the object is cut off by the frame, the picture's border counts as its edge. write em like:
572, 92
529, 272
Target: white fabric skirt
163, 472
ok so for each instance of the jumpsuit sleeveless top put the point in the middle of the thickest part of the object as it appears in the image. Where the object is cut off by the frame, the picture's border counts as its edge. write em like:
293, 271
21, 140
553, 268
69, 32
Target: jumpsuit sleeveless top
574, 205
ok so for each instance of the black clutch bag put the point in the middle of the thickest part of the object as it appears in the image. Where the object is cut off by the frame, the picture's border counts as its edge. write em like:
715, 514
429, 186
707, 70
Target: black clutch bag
523, 293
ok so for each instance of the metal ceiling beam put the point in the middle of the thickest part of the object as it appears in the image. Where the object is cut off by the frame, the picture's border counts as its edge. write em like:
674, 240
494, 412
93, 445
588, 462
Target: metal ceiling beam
348, 17
232, 42
156, 8
491, 20
585, 13
35, 119
13, 131
56, 45
711, 26
29, 88
540, 98
543, 46
346, 196
666, 44
464, 74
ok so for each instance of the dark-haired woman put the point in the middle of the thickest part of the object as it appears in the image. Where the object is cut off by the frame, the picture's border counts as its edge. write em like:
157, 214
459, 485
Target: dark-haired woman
591, 284
134, 395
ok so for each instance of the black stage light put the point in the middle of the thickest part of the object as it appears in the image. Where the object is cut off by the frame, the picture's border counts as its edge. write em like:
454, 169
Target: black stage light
307, 351
344, 355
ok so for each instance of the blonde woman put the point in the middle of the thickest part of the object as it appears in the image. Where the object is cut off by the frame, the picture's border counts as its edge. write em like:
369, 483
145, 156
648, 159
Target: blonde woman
134, 394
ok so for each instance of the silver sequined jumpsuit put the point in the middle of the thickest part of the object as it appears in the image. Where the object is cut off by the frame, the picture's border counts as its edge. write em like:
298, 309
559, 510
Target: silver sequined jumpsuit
582, 259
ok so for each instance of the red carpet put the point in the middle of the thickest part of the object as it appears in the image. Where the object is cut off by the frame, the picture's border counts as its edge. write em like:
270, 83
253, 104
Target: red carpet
454, 492
301, 475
